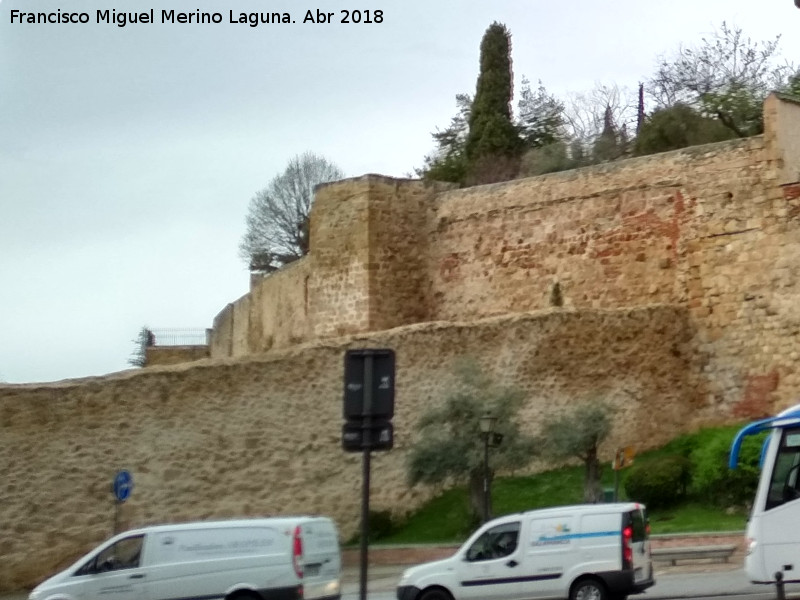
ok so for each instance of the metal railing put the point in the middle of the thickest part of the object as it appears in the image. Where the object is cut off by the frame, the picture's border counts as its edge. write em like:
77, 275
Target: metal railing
179, 337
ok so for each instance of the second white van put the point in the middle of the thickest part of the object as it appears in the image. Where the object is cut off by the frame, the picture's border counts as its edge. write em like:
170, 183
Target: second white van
283, 558
584, 552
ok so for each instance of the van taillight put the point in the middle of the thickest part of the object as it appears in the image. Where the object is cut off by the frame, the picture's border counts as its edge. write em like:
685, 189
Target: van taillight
297, 552
627, 548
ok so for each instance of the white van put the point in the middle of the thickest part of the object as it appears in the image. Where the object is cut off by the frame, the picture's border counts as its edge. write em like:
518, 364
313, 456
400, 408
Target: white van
585, 552
289, 558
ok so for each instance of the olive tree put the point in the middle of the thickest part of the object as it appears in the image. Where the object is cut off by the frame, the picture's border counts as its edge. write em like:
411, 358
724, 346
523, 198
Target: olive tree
578, 434
450, 447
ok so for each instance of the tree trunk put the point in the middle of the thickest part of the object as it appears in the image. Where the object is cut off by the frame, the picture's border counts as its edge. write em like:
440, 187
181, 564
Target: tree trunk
592, 490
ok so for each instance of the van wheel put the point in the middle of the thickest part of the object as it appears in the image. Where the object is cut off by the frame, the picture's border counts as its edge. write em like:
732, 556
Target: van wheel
588, 589
435, 594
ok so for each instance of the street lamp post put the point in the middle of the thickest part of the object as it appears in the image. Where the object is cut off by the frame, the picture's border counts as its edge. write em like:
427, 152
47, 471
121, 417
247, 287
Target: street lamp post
487, 422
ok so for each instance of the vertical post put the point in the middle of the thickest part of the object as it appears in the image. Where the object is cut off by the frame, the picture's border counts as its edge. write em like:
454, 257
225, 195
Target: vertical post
486, 476
367, 442
781, 592
117, 507
617, 462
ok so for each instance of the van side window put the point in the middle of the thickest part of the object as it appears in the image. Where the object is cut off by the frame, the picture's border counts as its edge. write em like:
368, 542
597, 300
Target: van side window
125, 554
497, 542
784, 485
638, 525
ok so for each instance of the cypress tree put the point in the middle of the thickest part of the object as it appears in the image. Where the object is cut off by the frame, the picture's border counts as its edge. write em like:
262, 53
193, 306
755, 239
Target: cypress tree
493, 137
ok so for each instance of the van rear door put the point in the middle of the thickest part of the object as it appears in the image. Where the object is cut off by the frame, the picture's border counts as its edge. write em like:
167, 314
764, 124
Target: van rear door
321, 561
635, 522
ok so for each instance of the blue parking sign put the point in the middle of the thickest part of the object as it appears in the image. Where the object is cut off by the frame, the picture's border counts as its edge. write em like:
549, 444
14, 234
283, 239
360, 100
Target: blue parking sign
122, 486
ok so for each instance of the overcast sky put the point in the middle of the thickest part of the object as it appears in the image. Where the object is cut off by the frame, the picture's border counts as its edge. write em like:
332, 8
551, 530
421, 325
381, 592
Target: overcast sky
128, 156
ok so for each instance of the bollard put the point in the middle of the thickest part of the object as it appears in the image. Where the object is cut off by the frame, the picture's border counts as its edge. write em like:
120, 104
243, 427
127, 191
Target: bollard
779, 585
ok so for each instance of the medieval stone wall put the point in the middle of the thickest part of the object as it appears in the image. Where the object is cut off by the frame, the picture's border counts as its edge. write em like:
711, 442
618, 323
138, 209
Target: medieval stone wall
174, 355
712, 228
709, 228
399, 243
261, 436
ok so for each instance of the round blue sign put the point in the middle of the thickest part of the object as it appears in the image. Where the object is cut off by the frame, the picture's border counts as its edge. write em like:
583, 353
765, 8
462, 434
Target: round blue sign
122, 486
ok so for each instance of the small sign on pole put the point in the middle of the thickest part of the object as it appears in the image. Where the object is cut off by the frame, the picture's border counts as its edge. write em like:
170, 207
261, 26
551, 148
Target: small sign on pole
121, 487
369, 384
623, 457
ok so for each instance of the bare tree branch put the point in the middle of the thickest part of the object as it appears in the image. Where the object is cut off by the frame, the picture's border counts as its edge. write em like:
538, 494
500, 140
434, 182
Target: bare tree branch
277, 219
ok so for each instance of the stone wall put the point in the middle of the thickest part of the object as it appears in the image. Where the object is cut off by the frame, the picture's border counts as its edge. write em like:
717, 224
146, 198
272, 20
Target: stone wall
612, 235
711, 228
261, 436
399, 251
231, 332
174, 355
279, 309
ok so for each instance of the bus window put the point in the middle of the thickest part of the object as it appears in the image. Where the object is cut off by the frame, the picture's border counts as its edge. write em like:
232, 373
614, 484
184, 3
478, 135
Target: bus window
784, 485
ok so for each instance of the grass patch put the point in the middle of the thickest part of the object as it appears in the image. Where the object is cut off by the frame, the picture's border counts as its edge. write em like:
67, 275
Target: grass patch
446, 518
693, 517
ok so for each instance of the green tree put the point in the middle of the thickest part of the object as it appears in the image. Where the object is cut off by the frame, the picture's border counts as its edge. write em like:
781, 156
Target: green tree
541, 117
277, 218
726, 77
612, 143
449, 161
578, 434
450, 446
678, 126
143, 341
541, 124
493, 143
793, 85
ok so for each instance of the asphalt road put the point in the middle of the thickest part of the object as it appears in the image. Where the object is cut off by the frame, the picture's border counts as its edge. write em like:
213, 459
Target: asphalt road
706, 585
679, 584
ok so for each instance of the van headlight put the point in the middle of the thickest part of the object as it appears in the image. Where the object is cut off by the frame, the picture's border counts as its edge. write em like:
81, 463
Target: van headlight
751, 545
403, 578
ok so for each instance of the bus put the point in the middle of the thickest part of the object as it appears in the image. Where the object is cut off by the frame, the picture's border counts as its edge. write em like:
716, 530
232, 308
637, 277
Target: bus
773, 534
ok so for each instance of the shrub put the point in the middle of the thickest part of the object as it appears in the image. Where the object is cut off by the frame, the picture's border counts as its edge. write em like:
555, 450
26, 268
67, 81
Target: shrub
381, 525
715, 482
659, 483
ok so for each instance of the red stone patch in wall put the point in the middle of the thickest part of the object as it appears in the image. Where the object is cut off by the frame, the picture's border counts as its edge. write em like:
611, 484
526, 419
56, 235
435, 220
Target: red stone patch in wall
757, 400
791, 192
448, 268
